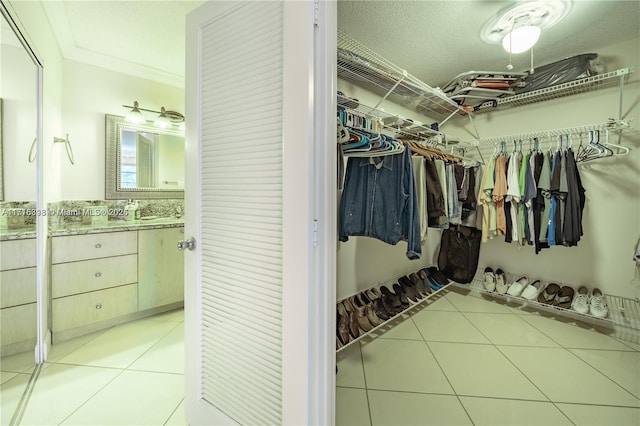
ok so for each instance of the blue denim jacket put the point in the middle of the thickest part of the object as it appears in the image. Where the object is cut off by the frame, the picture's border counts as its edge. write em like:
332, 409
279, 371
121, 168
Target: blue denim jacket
379, 201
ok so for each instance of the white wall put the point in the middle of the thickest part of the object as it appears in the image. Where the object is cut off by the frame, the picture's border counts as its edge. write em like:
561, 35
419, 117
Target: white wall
612, 214
611, 221
90, 93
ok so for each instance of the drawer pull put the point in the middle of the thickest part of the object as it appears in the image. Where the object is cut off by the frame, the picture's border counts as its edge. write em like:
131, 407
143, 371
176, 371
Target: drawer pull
98, 274
99, 306
98, 245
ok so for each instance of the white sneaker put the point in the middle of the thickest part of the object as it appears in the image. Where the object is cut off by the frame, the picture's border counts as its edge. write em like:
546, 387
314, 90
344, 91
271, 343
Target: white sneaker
489, 279
516, 288
581, 301
597, 304
501, 285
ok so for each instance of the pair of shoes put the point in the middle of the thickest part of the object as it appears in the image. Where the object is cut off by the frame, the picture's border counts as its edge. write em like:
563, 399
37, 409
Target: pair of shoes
515, 289
489, 279
531, 291
409, 289
558, 296
549, 294
501, 282
597, 304
581, 302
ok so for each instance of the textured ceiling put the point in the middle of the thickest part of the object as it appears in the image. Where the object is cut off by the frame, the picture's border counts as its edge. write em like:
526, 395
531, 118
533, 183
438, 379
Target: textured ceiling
437, 40
434, 40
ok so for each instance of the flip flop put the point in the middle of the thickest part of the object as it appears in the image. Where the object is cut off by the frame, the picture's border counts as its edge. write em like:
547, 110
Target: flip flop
564, 297
549, 293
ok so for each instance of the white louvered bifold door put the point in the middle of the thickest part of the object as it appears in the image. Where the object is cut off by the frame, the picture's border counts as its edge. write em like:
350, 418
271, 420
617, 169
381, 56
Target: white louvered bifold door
238, 92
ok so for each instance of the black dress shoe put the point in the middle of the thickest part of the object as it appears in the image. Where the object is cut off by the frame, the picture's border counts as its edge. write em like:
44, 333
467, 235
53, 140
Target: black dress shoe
381, 312
410, 288
404, 300
424, 278
392, 300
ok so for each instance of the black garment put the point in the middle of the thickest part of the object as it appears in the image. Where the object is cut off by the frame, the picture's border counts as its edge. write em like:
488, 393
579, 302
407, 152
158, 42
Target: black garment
572, 224
459, 253
435, 198
538, 202
559, 196
469, 205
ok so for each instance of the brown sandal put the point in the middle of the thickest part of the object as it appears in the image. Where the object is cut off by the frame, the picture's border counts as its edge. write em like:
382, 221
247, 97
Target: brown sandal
564, 297
549, 293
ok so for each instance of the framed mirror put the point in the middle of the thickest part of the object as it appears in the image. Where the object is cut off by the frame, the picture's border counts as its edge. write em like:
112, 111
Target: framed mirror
142, 161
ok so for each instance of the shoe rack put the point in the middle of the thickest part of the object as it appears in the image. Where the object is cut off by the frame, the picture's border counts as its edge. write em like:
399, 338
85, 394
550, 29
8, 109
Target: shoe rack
623, 316
434, 293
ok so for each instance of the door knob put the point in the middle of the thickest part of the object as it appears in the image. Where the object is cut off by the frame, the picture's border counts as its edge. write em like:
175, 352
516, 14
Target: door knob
187, 244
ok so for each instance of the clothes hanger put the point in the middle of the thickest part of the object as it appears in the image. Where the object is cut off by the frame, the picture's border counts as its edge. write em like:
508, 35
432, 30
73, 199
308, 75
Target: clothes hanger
619, 147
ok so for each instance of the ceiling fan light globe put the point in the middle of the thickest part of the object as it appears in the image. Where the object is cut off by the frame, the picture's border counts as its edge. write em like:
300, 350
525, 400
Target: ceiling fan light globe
521, 39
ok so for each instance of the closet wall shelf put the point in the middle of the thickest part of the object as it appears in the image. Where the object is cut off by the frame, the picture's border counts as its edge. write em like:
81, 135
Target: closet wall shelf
391, 124
583, 85
388, 323
611, 125
623, 312
363, 67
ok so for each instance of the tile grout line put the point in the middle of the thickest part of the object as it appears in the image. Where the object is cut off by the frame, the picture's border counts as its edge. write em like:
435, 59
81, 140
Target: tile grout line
568, 349
455, 393
173, 412
151, 347
366, 389
92, 396
518, 368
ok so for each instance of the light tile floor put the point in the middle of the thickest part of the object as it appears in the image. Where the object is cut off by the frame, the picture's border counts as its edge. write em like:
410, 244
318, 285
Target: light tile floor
461, 360
131, 374
457, 360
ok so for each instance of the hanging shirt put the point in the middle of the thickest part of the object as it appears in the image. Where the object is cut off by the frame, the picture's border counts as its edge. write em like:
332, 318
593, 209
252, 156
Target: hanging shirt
499, 192
513, 193
420, 172
379, 201
544, 194
554, 189
485, 200
572, 229
442, 177
435, 197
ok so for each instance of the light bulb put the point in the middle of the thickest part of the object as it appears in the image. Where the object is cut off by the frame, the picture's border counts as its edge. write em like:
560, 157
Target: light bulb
521, 39
135, 116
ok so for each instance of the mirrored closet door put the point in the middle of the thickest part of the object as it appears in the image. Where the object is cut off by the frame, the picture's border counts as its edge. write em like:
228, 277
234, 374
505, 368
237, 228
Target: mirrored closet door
19, 115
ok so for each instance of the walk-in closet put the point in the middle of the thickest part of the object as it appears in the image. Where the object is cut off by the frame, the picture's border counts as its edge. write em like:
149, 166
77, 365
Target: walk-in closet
505, 288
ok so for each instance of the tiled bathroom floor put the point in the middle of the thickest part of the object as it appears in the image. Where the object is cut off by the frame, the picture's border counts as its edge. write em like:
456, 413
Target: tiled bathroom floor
458, 360
131, 374
464, 360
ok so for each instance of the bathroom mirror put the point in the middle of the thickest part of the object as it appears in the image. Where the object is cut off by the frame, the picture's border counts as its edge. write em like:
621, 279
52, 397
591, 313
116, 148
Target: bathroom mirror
142, 161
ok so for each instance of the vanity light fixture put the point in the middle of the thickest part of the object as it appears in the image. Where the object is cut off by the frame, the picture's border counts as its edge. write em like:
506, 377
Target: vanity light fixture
165, 119
162, 120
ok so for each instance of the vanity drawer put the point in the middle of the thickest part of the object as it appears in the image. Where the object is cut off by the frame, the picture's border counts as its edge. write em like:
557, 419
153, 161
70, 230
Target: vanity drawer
16, 254
93, 246
88, 308
90, 275
18, 324
17, 287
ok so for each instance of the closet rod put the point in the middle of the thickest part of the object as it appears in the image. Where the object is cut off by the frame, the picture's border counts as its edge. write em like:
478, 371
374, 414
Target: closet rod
610, 124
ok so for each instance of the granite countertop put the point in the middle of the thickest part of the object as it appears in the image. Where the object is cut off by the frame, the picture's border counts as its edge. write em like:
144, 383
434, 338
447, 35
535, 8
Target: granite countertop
117, 226
78, 229
18, 233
